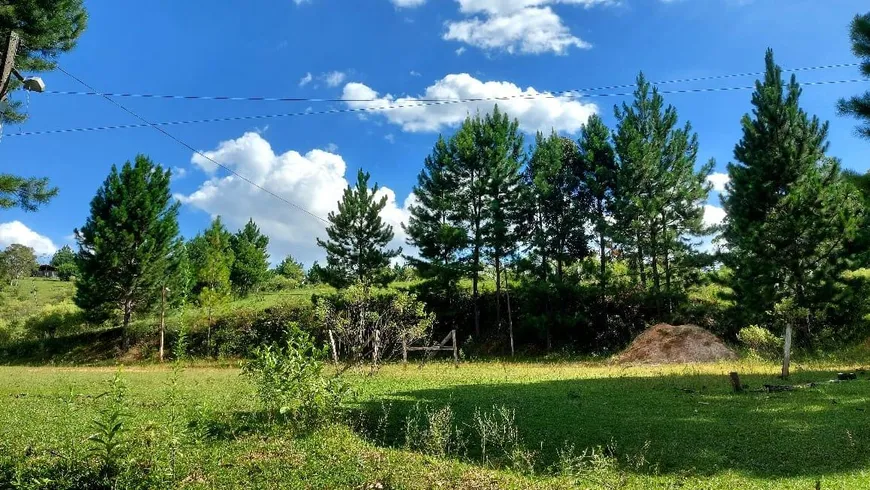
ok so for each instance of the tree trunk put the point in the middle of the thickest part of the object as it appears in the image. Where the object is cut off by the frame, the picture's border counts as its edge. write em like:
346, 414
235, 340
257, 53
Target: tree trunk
128, 313
657, 288
474, 281
162, 319
602, 284
668, 281
640, 265
786, 354
498, 293
510, 319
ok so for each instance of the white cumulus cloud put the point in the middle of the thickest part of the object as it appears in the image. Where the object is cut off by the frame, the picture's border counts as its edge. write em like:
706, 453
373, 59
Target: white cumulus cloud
517, 26
713, 215
534, 110
306, 80
719, 181
407, 3
334, 78
314, 181
17, 232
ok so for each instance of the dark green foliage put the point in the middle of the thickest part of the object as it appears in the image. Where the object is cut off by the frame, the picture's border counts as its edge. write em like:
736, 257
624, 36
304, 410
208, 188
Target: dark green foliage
791, 216
434, 226
859, 106
291, 269
25, 193
316, 274
64, 260
356, 249
17, 261
179, 275
251, 261
126, 242
47, 29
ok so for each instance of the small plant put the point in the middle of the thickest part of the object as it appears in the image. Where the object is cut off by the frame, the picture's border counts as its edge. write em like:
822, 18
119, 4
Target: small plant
291, 384
433, 431
601, 466
500, 443
108, 441
760, 341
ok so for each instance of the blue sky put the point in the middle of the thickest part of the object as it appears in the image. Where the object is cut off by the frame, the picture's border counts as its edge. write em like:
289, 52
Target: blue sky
389, 50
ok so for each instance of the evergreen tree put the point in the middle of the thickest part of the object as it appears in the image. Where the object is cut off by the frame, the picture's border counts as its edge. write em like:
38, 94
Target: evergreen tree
599, 179
291, 269
251, 264
211, 257
433, 226
47, 28
25, 193
125, 244
500, 145
179, 274
316, 274
356, 249
859, 106
791, 214
658, 192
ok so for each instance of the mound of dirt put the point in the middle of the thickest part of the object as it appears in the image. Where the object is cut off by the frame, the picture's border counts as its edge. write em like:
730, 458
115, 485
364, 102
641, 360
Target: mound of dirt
669, 344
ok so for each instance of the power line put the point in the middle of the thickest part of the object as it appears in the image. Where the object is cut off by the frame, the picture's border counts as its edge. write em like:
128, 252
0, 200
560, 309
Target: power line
555, 94
387, 107
191, 148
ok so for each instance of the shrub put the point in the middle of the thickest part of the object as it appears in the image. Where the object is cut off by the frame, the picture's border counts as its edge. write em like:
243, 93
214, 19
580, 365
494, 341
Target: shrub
53, 319
67, 271
278, 283
760, 341
291, 384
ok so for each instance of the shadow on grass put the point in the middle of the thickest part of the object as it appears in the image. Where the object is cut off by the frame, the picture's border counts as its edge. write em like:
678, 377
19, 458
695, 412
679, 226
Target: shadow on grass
693, 423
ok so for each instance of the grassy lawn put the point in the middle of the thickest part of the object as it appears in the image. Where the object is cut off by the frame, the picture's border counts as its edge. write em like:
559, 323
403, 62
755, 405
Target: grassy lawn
667, 427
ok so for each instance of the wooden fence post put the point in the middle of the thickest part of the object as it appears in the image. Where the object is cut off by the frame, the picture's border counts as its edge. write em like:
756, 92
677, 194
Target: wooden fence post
455, 349
376, 341
735, 382
334, 350
786, 356
404, 349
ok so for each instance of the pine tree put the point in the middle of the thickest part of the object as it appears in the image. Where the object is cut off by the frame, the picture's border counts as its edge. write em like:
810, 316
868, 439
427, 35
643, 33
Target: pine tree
658, 192
179, 274
125, 244
291, 269
599, 179
433, 226
211, 257
356, 249
47, 29
25, 193
251, 264
859, 106
791, 214
500, 144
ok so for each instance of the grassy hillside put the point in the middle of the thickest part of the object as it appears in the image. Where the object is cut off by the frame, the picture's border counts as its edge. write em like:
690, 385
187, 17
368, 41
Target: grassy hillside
664, 427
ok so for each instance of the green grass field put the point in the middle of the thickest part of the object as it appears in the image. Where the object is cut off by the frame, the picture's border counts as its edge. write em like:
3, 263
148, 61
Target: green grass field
668, 427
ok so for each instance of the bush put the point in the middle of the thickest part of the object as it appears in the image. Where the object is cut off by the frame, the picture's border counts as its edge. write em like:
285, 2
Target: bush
278, 283
760, 341
67, 271
53, 319
291, 384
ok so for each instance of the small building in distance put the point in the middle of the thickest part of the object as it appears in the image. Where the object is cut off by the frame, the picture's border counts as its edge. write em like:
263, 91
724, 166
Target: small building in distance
47, 271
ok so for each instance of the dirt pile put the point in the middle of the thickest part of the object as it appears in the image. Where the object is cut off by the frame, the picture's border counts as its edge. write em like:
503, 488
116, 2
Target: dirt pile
669, 344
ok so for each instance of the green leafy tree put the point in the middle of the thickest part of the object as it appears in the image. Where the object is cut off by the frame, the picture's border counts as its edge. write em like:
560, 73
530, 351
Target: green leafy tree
291, 269
126, 242
433, 226
316, 274
356, 249
64, 260
19, 261
47, 29
859, 106
251, 263
791, 214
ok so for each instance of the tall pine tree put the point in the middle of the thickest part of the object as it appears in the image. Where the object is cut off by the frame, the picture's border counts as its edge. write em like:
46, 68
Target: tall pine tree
125, 244
433, 226
791, 214
251, 264
211, 256
356, 249
859, 106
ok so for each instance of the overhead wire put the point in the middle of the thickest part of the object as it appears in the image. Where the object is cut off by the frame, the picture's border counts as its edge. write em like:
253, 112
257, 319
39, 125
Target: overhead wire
388, 107
191, 148
552, 94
